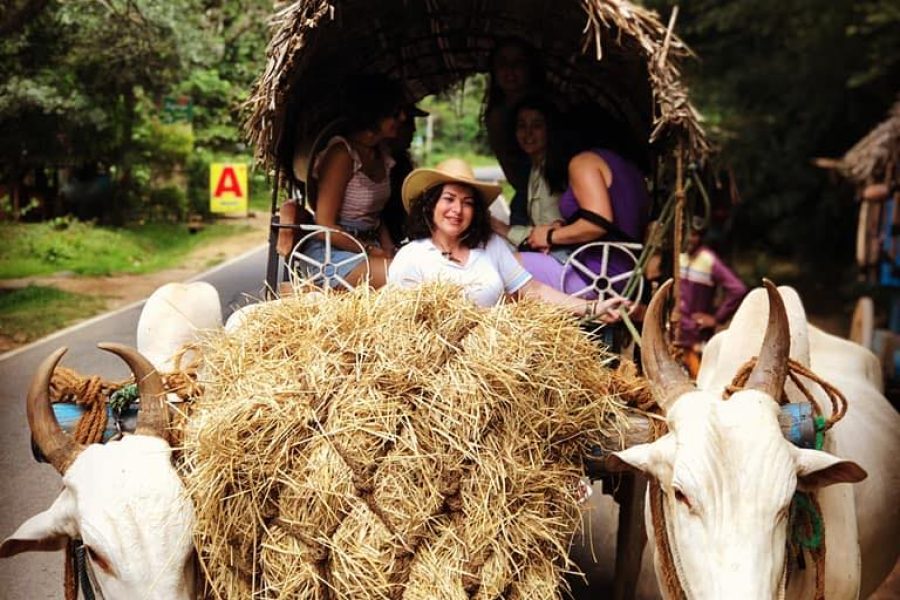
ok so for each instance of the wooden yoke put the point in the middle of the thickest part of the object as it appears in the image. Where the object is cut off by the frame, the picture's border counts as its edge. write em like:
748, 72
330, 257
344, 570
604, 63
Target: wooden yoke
640, 430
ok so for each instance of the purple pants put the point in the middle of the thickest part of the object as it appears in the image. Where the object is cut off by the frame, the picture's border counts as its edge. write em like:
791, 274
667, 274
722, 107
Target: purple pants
546, 269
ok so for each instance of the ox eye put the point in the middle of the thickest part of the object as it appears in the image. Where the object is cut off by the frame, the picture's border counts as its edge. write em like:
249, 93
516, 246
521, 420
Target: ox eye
682, 498
99, 560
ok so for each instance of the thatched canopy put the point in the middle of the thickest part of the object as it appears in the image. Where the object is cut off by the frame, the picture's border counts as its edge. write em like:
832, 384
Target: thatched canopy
868, 160
609, 52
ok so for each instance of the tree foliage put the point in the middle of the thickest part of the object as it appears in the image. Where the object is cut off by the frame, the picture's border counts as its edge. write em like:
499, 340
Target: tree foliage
782, 82
83, 83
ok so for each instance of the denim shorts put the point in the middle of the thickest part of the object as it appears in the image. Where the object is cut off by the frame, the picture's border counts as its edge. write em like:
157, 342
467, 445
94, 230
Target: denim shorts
340, 264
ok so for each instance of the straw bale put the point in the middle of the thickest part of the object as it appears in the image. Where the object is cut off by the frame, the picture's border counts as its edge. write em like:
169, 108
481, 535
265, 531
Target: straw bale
399, 444
286, 562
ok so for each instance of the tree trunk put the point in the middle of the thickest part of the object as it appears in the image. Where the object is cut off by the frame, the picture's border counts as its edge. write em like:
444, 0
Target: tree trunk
123, 191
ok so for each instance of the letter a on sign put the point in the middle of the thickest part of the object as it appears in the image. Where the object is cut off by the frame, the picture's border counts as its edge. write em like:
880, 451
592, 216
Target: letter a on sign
228, 188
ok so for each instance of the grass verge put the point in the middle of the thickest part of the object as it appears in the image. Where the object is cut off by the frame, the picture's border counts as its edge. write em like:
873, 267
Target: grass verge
32, 312
85, 249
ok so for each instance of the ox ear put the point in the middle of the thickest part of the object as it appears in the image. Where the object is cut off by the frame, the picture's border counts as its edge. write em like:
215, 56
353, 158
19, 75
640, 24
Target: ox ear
817, 469
44, 532
654, 459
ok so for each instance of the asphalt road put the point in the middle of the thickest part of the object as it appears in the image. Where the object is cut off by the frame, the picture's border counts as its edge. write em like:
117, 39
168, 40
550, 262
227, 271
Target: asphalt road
29, 487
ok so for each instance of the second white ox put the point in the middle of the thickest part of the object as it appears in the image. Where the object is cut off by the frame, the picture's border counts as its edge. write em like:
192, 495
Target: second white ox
727, 474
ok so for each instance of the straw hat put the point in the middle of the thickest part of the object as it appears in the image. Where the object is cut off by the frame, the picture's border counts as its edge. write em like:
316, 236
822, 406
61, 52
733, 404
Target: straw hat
452, 170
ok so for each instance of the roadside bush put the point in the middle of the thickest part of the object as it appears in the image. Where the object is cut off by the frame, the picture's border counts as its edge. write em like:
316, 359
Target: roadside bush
168, 203
88, 249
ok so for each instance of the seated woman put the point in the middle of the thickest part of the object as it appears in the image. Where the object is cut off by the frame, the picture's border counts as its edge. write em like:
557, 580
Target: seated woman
515, 72
353, 173
452, 241
606, 200
535, 118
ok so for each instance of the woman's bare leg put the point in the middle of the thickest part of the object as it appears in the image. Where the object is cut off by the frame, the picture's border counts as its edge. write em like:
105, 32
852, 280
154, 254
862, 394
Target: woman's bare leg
378, 267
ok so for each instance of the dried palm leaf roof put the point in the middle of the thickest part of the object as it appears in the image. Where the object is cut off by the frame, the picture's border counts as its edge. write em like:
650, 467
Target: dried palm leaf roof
868, 160
610, 52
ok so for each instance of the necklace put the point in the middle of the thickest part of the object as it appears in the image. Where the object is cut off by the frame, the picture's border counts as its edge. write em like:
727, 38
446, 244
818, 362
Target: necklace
447, 253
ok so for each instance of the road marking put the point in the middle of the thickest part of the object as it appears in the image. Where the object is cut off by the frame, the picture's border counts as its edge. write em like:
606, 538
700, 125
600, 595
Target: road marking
121, 309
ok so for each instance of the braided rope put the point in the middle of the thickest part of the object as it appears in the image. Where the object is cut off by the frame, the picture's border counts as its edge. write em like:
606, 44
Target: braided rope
669, 574
795, 371
677, 249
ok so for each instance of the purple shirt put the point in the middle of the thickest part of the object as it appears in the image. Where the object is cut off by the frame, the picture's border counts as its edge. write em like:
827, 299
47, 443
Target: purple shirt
701, 274
630, 208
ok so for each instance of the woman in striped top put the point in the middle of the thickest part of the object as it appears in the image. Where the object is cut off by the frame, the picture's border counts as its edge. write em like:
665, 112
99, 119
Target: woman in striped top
353, 173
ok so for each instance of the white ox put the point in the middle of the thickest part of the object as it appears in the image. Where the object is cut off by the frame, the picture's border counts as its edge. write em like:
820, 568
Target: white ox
728, 475
172, 317
124, 499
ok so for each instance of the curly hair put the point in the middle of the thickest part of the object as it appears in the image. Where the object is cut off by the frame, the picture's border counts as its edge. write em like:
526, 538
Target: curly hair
420, 222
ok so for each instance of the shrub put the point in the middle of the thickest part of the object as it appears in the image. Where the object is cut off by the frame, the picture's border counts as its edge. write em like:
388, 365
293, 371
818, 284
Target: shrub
168, 203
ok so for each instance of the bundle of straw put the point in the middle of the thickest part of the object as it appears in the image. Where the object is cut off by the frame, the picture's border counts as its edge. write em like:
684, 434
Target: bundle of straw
399, 444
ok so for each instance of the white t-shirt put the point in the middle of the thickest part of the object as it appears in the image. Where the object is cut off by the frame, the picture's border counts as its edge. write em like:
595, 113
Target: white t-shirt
488, 273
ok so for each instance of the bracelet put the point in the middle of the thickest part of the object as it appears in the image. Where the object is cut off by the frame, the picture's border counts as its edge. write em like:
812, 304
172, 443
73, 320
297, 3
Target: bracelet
550, 236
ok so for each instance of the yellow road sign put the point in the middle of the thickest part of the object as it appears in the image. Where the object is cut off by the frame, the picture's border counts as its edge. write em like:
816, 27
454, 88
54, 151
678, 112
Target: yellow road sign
228, 191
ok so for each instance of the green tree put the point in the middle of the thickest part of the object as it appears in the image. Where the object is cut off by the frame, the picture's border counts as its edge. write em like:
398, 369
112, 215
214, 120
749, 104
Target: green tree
81, 84
781, 82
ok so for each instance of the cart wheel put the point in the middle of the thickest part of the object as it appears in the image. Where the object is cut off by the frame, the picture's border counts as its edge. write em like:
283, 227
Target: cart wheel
862, 325
600, 282
324, 273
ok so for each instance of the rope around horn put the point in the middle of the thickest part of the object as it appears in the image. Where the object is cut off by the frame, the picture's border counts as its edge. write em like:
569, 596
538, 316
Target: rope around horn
795, 371
807, 528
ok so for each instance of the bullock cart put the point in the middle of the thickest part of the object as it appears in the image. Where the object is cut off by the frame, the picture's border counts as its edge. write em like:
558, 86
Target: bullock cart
614, 56
872, 165
299, 429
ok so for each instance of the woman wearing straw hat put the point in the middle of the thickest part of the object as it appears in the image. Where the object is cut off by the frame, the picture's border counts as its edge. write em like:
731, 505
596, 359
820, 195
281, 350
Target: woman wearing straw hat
449, 225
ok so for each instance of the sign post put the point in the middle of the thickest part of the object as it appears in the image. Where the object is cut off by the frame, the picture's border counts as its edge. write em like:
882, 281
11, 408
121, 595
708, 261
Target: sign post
228, 191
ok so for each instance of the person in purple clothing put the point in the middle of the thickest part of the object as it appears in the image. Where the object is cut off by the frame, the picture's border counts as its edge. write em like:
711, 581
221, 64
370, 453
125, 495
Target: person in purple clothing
702, 274
606, 200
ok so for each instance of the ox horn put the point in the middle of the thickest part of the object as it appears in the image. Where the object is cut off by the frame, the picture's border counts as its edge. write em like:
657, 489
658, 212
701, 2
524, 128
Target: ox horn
57, 446
661, 368
153, 418
772, 366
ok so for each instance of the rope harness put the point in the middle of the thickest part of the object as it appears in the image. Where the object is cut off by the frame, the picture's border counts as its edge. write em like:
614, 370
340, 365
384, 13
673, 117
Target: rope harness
806, 527
95, 393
